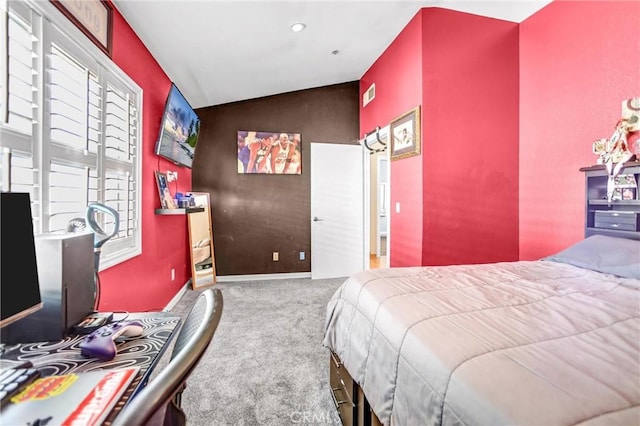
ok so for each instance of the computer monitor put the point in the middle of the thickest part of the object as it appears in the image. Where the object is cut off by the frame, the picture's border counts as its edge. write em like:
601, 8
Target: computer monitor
19, 285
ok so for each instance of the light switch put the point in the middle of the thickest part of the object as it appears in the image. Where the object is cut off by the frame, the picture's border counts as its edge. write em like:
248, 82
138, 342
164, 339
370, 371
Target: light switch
398, 207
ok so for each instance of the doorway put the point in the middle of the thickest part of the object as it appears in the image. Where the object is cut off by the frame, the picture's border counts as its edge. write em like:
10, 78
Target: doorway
378, 178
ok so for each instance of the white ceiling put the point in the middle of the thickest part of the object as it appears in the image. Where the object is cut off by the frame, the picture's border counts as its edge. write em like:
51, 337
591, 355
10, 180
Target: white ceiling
220, 51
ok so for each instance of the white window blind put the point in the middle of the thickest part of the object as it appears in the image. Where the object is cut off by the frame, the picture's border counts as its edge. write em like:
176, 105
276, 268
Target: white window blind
75, 96
69, 126
22, 55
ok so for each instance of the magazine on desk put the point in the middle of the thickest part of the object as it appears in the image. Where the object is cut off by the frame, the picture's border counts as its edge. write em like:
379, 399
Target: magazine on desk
71, 399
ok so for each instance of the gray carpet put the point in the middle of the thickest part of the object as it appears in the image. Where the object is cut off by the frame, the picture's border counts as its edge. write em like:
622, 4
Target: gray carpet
266, 364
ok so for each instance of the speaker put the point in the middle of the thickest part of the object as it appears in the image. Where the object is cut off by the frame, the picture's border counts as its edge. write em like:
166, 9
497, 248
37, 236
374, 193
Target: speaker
67, 285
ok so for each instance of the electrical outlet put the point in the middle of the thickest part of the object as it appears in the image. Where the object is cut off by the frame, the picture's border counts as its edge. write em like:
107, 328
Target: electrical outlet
172, 176
302, 255
173, 274
276, 256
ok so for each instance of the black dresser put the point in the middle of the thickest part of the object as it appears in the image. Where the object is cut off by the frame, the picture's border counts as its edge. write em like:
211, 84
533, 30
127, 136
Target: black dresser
619, 217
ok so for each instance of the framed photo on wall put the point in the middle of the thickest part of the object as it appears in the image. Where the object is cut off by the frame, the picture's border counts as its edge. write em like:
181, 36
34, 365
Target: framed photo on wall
405, 135
277, 153
92, 17
166, 200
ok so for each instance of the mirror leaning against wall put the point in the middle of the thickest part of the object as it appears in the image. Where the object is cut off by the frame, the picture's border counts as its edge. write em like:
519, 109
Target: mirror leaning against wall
203, 265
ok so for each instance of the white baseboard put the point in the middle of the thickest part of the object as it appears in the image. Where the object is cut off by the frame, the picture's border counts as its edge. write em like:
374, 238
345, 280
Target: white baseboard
177, 297
262, 277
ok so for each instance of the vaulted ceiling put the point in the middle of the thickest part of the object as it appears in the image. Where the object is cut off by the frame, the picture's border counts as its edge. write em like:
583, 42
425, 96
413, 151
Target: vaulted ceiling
220, 51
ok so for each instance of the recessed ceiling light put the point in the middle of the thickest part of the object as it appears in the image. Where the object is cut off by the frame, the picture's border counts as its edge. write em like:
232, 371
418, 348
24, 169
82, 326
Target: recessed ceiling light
296, 28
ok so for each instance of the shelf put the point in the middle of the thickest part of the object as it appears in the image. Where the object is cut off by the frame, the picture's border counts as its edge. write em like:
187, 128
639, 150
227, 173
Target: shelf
603, 168
614, 203
161, 212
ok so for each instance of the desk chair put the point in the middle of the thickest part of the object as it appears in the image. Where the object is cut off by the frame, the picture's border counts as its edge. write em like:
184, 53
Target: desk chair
159, 402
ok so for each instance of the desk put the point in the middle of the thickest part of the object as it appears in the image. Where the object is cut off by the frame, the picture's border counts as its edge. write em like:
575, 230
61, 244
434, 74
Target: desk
63, 357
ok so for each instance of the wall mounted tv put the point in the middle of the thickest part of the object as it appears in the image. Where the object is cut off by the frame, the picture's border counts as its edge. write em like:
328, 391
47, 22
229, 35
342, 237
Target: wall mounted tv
179, 130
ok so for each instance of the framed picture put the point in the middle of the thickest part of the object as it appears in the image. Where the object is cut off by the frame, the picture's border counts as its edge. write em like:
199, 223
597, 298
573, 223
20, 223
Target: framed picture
405, 135
628, 193
166, 200
276, 153
631, 113
92, 17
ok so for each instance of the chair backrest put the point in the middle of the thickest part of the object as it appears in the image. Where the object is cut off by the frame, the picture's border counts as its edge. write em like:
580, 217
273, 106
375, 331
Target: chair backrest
149, 405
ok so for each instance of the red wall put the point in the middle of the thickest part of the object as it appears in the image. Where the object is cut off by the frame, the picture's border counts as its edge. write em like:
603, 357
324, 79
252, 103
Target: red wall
470, 133
459, 198
578, 61
144, 282
398, 78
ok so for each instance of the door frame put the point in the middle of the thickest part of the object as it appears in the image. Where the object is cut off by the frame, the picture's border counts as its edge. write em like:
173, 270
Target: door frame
367, 206
387, 204
366, 179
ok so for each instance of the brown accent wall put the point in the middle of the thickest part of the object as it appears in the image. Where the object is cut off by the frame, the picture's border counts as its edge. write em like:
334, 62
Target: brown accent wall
255, 215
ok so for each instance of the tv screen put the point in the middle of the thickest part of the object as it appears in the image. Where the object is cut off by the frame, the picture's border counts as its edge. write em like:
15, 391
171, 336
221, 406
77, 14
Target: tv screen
179, 130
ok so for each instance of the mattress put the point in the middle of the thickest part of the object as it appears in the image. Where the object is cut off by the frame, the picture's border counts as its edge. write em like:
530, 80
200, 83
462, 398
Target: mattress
529, 342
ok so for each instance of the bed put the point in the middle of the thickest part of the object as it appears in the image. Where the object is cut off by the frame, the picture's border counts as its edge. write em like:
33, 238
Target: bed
201, 250
548, 342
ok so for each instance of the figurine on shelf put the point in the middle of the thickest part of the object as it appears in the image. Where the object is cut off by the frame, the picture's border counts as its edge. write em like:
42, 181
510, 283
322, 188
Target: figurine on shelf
613, 153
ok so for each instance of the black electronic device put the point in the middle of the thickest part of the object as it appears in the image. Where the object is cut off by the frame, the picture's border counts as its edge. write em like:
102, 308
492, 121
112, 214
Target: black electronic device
14, 380
93, 322
67, 284
179, 130
19, 285
100, 236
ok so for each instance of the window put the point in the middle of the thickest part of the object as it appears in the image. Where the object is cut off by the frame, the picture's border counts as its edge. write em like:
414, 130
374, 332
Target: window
69, 126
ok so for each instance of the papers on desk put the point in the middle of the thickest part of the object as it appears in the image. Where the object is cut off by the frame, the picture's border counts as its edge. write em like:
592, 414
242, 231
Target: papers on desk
71, 399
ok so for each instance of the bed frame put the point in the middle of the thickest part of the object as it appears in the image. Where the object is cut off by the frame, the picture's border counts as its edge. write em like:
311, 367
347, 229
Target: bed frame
348, 397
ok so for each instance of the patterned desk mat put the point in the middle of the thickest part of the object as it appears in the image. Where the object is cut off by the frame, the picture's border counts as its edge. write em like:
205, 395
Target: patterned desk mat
63, 357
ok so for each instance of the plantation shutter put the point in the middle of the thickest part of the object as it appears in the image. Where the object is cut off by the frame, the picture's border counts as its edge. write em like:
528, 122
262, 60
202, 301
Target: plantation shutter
69, 126
120, 151
21, 69
19, 104
74, 127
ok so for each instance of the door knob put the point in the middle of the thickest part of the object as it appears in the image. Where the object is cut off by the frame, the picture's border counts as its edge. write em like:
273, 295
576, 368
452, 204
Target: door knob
317, 219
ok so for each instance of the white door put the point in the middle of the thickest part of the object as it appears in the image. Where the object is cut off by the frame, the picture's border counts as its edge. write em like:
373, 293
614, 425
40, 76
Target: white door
337, 210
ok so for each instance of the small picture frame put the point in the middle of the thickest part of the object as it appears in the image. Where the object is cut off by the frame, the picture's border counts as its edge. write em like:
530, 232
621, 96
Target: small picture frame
405, 135
625, 181
166, 200
628, 193
631, 113
92, 17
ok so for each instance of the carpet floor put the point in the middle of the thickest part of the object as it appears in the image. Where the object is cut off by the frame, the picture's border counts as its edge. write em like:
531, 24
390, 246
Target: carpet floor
266, 364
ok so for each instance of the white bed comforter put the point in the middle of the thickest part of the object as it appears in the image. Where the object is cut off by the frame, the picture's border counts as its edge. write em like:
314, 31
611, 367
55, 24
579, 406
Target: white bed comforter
539, 343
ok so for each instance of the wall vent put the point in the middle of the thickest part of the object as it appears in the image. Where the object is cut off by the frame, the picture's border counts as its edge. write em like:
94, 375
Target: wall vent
369, 95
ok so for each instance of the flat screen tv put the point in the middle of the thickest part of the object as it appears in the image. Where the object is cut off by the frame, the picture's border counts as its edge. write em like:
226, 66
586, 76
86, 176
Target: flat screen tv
179, 130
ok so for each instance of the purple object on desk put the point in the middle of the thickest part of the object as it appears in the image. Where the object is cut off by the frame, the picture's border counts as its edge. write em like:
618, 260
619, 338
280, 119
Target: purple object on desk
100, 344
